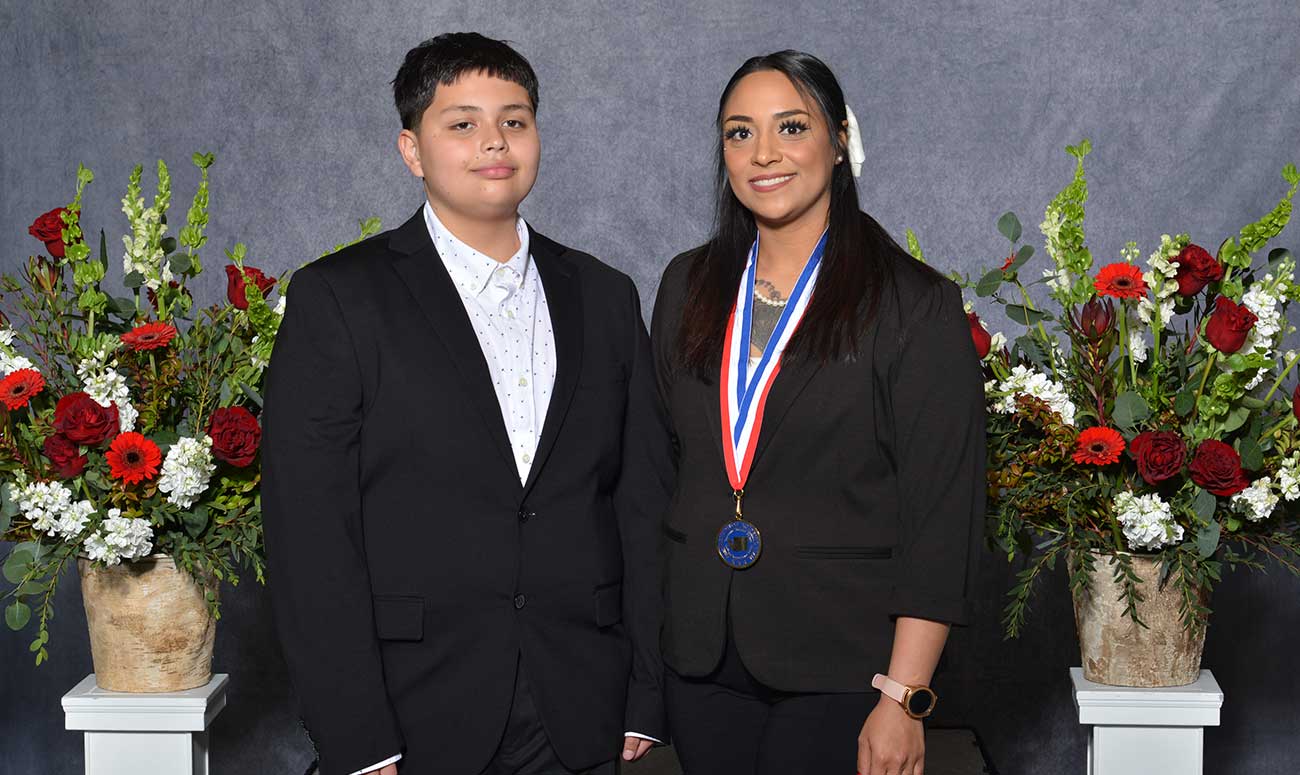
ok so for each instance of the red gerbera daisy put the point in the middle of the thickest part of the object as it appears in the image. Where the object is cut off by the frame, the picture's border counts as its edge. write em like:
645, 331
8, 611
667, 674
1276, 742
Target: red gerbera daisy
19, 387
1123, 281
1098, 446
149, 336
133, 458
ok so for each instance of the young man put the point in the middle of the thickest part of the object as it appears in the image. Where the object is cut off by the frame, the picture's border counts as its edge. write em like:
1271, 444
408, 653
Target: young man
465, 466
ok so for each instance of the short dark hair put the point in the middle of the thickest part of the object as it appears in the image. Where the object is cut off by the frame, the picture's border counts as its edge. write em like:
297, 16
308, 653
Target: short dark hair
444, 59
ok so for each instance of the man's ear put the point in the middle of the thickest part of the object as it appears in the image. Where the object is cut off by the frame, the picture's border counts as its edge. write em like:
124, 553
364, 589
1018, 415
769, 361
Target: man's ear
408, 145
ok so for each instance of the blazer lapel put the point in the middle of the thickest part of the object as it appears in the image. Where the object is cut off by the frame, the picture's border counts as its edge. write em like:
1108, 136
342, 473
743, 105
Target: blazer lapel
419, 266
789, 383
564, 300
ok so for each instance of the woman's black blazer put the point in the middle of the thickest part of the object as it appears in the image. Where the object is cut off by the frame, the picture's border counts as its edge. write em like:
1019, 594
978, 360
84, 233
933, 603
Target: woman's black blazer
867, 485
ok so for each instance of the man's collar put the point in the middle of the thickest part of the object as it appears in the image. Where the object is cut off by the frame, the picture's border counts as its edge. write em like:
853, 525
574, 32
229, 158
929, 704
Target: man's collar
470, 268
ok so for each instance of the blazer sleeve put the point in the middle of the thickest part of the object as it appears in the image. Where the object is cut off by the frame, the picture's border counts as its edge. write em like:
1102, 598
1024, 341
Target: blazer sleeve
311, 500
939, 416
640, 499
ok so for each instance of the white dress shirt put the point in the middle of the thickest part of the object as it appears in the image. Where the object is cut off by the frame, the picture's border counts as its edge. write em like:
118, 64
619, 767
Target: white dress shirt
506, 304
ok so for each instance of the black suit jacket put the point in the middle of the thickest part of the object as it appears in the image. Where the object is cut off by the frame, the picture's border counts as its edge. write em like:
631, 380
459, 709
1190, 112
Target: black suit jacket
410, 571
867, 485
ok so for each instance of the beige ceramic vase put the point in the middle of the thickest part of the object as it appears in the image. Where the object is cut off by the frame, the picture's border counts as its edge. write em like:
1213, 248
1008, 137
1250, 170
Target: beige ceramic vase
150, 629
1119, 652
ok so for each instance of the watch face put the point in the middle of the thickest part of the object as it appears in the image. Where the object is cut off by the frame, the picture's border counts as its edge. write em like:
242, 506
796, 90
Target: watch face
920, 702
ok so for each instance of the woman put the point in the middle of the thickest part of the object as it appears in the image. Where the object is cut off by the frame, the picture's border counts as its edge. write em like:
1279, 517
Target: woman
828, 417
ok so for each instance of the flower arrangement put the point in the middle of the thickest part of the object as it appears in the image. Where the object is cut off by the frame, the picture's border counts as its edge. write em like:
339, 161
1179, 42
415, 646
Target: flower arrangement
1161, 427
129, 424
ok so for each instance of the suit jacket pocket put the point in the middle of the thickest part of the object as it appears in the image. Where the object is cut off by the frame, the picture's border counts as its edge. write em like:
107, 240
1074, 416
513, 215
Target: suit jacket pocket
844, 552
609, 604
399, 617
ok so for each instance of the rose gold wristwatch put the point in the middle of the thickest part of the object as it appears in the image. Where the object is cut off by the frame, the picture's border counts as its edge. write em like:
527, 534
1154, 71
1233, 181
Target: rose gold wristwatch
917, 701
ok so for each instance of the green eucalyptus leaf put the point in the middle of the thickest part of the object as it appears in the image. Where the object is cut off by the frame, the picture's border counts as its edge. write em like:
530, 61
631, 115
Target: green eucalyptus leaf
1207, 540
1233, 524
168, 244
17, 615
16, 565
195, 521
1130, 409
1185, 402
1204, 504
1025, 253
1025, 316
988, 284
1009, 225
1235, 419
251, 394
103, 250
180, 264
133, 280
1252, 457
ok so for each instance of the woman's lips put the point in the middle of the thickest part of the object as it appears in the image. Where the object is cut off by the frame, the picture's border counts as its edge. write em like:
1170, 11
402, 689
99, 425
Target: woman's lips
770, 182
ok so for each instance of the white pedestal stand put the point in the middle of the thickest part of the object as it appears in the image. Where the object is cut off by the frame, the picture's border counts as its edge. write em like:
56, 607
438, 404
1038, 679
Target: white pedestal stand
1142, 731
131, 734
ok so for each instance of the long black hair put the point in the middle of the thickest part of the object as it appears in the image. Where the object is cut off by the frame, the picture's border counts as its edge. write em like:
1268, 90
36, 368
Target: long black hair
854, 267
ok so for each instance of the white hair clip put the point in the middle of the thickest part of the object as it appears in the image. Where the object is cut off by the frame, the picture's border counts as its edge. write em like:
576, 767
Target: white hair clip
856, 154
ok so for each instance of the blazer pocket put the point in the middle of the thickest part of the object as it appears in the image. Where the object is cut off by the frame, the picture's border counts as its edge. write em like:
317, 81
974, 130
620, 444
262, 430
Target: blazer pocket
609, 604
673, 534
399, 617
844, 552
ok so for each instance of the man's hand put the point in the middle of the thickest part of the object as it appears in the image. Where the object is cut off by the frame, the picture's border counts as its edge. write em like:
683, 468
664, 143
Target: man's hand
635, 747
387, 769
891, 742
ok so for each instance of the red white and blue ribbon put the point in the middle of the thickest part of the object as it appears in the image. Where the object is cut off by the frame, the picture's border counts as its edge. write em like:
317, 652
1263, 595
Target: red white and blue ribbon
744, 392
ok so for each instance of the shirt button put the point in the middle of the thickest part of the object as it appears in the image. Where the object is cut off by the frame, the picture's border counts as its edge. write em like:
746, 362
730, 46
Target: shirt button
527, 458
523, 382
520, 601
510, 314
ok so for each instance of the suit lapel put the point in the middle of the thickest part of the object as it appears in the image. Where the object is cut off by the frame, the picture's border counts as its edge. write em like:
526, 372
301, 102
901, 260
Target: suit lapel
790, 381
419, 266
564, 300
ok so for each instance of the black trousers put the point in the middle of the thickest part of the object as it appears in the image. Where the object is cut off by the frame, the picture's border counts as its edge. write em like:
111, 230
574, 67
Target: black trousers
525, 749
728, 723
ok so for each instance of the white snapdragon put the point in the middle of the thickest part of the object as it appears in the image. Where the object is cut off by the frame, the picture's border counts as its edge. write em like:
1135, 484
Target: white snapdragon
281, 305
1148, 521
997, 343
187, 470
1027, 381
10, 361
120, 538
1257, 501
1157, 310
1288, 477
7, 335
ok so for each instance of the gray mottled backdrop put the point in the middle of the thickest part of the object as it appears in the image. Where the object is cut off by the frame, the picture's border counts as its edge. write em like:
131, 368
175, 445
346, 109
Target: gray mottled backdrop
965, 106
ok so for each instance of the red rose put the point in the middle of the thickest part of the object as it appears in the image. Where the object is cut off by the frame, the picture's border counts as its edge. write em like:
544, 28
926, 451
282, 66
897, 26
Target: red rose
49, 229
1159, 455
1196, 269
63, 453
978, 333
83, 420
235, 284
1217, 467
1229, 324
235, 435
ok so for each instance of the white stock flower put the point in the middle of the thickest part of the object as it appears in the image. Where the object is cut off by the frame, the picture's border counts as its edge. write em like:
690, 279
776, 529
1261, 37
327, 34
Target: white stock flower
43, 504
1138, 346
103, 383
997, 342
1257, 501
120, 538
282, 304
1026, 381
1288, 477
187, 470
1148, 521
7, 335
11, 363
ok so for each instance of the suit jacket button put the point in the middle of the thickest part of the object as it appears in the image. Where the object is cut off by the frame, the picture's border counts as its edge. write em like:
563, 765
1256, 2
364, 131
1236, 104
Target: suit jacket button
520, 600
524, 515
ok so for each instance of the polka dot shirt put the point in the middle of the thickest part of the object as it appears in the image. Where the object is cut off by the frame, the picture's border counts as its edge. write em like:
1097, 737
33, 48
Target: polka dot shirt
506, 305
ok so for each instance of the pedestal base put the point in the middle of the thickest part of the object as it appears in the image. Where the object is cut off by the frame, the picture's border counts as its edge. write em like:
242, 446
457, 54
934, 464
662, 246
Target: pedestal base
1139, 731
159, 734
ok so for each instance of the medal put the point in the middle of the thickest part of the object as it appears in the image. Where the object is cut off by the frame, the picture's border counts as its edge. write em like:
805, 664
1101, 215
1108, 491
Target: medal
743, 396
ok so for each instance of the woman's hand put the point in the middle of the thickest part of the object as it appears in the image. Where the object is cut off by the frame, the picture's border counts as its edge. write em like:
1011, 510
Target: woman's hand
891, 742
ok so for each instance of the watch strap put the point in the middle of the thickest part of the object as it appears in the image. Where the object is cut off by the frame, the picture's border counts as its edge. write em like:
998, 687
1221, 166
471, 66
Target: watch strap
889, 687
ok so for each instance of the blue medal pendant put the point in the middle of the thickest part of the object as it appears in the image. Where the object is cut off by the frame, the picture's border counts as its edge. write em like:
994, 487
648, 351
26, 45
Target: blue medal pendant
739, 544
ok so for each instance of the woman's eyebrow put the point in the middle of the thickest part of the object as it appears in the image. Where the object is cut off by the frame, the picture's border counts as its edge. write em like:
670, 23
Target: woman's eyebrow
782, 114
